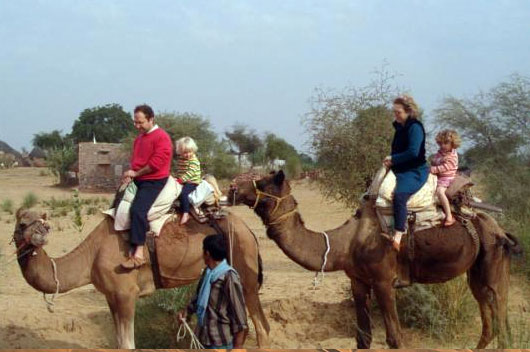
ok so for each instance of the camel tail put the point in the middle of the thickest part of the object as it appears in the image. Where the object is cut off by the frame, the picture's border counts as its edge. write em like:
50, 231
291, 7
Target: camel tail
513, 245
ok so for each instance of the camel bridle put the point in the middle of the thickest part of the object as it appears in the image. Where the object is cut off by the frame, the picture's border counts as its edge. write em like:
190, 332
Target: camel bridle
42, 229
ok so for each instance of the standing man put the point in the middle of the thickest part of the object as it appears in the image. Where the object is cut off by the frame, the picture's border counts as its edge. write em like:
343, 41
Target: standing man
150, 167
219, 301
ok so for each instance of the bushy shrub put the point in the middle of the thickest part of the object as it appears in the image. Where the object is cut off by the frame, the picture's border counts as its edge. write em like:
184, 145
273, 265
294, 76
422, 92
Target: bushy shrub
7, 206
156, 324
441, 310
30, 200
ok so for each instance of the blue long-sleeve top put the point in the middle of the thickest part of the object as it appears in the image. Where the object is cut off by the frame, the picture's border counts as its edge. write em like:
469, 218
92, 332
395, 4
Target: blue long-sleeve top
408, 156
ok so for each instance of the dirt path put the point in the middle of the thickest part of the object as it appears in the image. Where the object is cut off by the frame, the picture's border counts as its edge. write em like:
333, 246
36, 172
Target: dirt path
300, 316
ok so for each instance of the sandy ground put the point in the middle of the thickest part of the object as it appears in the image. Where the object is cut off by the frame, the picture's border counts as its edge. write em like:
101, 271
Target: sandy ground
300, 316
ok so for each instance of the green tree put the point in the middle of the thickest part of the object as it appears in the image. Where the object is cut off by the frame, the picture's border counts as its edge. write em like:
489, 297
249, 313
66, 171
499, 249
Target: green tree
60, 160
278, 148
351, 132
243, 140
109, 123
49, 140
495, 128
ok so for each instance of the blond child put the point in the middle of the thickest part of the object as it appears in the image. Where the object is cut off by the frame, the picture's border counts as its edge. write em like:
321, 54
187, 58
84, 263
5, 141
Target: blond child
188, 173
445, 164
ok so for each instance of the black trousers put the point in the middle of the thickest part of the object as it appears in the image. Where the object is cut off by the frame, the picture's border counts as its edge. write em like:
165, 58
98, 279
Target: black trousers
146, 195
400, 210
187, 188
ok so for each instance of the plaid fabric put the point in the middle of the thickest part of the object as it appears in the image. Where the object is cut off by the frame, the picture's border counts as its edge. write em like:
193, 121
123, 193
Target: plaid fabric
225, 314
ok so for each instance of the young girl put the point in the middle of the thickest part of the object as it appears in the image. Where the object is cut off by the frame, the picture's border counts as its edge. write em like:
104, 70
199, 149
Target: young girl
188, 173
444, 165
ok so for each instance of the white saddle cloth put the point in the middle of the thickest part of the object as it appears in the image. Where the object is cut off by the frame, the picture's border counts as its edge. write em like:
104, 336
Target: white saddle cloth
423, 202
158, 214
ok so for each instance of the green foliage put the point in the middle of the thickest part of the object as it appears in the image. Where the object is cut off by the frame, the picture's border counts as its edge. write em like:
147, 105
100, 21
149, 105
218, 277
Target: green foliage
243, 140
351, 133
78, 208
7, 206
496, 127
293, 167
307, 162
49, 140
278, 148
441, 310
61, 160
109, 123
30, 200
155, 321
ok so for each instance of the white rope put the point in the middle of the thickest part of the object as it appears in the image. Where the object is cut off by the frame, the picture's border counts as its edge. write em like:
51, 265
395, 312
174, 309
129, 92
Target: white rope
49, 303
328, 247
184, 329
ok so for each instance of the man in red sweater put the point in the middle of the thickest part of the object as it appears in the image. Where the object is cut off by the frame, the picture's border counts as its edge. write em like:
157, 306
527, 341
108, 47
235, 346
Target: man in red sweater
150, 167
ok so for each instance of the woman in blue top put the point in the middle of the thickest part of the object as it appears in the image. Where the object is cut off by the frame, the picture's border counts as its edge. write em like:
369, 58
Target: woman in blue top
407, 160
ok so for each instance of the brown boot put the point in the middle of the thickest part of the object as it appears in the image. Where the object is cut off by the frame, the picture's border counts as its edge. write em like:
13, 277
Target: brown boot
133, 263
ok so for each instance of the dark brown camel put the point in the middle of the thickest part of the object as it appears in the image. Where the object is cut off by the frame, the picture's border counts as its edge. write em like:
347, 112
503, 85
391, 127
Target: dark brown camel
368, 259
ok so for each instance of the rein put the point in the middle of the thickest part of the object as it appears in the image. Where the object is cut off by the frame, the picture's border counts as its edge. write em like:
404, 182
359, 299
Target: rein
260, 193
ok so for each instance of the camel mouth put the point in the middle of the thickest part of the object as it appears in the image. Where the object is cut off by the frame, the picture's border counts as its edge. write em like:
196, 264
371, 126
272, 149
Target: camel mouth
35, 233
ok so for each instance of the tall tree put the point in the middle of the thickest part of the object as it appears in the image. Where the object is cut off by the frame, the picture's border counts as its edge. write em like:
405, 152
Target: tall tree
109, 123
49, 140
243, 140
495, 126
351, 132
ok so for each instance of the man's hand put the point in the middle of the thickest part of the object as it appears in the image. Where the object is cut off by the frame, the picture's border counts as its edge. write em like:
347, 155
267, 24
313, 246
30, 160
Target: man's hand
183, 314
130, 173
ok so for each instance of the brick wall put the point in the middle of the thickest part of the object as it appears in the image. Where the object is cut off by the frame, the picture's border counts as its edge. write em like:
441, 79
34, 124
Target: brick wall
101, 166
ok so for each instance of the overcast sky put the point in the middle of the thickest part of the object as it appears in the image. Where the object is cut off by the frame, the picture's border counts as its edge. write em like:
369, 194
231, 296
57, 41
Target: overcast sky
256, 62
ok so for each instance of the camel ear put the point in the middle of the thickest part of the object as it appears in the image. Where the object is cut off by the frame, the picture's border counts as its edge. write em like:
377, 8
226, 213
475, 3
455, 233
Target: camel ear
44, 216
279, 178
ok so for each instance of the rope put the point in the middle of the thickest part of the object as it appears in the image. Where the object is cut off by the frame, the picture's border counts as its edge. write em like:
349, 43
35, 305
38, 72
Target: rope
49, 303
184, 329
328, 248
20, 256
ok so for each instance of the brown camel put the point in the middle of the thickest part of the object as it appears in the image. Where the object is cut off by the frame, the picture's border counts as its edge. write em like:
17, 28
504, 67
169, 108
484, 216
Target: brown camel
97, 261
358, 248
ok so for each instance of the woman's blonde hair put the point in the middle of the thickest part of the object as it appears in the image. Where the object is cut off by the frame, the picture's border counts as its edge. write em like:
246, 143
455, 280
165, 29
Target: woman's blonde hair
186, 144
408, 104
449, 136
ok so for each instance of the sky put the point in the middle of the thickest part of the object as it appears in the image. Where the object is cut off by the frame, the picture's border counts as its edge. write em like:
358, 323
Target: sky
255, 62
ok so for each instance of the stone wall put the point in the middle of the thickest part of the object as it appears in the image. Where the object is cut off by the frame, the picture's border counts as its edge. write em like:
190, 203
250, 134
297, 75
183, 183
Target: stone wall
101, 166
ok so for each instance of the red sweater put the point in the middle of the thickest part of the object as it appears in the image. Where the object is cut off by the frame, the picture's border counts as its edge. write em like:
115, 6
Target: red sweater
154, 149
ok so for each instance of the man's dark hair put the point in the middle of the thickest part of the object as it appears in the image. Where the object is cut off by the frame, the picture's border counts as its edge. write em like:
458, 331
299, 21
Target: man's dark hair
146, 109
216, 246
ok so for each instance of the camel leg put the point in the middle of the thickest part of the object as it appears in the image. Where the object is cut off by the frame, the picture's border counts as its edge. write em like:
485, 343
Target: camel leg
361, 296
258, 318
115, 318
489, 285
125, 305
386, 299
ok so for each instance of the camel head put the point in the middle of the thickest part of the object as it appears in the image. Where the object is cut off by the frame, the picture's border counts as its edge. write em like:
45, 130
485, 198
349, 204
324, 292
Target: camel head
264, 194
31, 229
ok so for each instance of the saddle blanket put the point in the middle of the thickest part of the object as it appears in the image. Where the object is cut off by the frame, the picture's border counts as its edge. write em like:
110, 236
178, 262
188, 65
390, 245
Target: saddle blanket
159, 212
423, 202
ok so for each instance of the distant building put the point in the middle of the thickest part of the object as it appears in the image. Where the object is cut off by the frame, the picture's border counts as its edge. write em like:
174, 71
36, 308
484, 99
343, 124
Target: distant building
37, 157
100, 166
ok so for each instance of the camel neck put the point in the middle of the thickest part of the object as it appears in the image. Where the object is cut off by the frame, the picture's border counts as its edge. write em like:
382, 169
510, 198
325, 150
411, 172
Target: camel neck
72, 270
307, 247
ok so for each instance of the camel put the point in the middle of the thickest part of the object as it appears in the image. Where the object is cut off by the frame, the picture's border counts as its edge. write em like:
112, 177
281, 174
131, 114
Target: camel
97, 261
358, 248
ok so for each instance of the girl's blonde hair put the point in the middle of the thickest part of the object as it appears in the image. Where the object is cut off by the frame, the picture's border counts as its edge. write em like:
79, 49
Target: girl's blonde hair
449, 136
186, 144
409, 105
